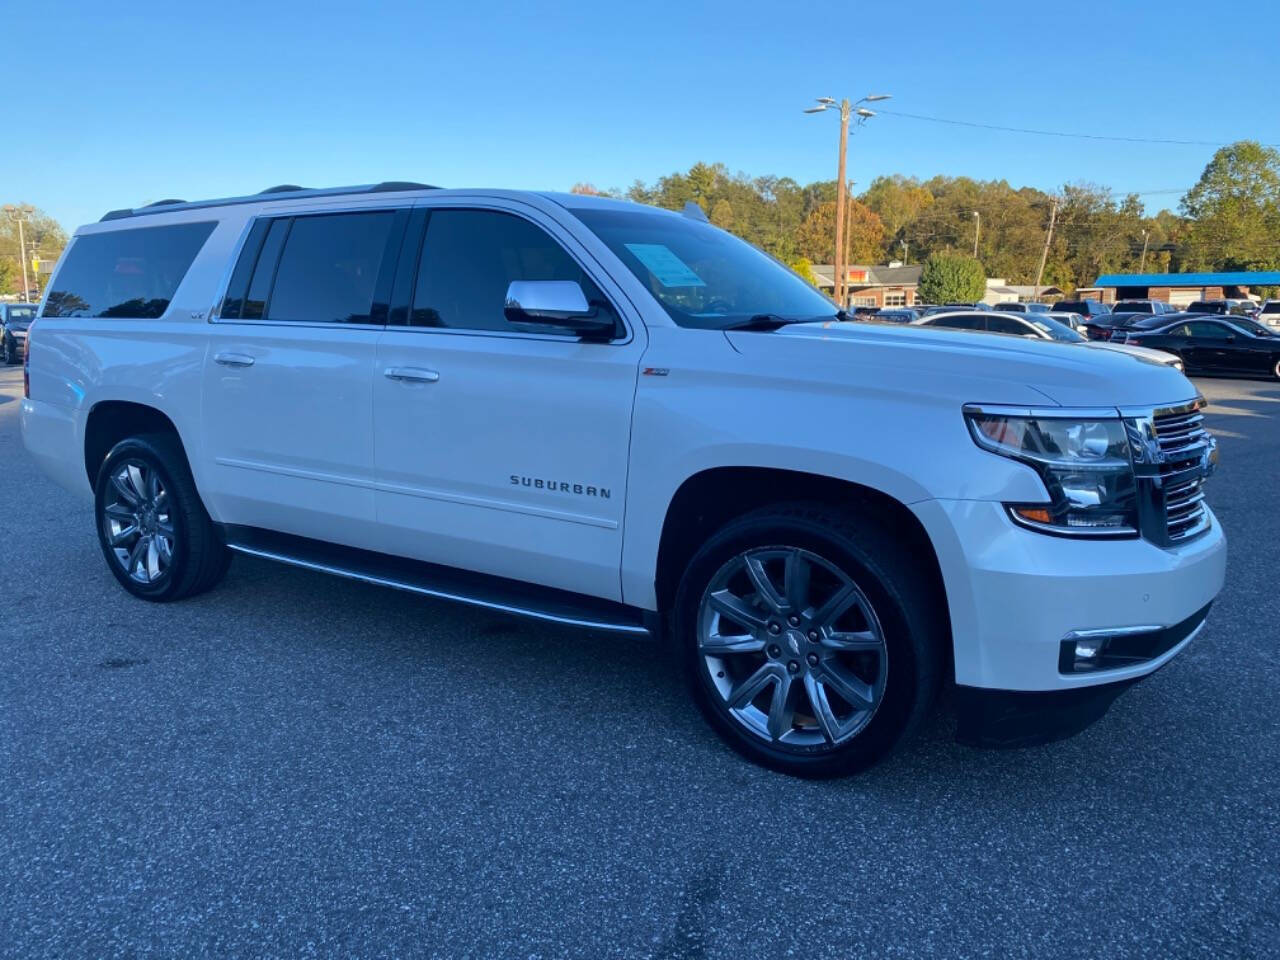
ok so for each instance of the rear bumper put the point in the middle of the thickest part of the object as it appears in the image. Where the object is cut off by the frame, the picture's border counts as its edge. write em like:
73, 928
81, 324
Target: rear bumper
52, 438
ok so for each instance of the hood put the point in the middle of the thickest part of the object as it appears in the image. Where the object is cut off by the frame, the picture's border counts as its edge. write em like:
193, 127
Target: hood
966, 367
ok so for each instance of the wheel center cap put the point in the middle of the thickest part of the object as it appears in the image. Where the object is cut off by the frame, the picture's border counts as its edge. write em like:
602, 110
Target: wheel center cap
795, 642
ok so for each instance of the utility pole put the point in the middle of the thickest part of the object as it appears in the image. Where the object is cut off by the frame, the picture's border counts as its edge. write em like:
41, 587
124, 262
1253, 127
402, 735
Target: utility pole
977, 229
1145, 238
1044, 254
20, 215
906, 250
848, 234
847, 111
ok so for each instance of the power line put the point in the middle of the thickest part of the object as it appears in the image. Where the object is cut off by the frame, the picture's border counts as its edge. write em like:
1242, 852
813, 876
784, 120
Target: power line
1058, 133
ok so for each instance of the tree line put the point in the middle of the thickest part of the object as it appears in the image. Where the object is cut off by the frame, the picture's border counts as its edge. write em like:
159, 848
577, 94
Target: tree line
1230, 220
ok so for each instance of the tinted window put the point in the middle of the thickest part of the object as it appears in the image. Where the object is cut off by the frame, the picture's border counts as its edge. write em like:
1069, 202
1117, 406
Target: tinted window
1008, 325
21, 314
329, 268
960, 323
255, 300
1211, 331
1273, 307
470, 257
125, 273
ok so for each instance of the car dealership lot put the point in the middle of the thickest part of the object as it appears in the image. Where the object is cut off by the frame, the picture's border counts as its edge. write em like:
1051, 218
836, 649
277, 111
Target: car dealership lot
294, 765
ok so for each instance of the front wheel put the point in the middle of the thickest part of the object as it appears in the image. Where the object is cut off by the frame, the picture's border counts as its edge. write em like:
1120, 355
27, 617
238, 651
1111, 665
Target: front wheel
1275, 367
811, 643
8, 355
155, 534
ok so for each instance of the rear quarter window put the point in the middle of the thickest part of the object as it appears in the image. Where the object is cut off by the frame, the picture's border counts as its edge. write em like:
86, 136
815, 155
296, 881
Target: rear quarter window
125, 273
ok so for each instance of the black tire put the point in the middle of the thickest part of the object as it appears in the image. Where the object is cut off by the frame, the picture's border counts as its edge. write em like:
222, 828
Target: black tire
866, 549
8, 355
199, 557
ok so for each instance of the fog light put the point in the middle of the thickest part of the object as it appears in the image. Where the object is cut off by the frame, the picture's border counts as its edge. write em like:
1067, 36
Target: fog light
1088, 649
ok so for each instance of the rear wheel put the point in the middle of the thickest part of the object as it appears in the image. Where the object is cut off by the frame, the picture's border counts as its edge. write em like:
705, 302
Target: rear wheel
155, 534
811, 644
1275, 366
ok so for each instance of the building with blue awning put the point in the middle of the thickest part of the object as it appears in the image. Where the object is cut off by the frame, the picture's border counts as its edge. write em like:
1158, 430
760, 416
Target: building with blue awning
1182, 288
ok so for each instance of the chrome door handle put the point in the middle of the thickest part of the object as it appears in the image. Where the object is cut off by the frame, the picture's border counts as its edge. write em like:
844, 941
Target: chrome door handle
411, 375
233, 359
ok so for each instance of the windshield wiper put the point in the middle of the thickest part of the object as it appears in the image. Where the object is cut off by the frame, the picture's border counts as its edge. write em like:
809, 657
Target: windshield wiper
763, 321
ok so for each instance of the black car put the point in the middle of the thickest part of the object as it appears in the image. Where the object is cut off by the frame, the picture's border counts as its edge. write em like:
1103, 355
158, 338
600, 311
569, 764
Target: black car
14, 320
1210, 344
1104, 326
1086, 308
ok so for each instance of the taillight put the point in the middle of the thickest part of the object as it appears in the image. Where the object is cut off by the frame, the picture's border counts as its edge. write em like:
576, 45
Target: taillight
1133, 339
26, 362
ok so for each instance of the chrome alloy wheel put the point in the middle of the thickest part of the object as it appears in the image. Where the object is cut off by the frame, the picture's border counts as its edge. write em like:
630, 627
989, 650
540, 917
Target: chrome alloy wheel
137, 523
793, 647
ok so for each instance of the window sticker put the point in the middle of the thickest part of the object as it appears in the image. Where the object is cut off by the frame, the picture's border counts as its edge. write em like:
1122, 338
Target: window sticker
670, 270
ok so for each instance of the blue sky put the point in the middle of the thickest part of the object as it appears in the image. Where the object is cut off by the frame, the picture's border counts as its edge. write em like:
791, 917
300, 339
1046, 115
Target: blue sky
142, 101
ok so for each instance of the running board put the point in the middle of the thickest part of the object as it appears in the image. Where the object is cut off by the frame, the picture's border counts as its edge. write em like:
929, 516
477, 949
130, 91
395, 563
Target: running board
444, 583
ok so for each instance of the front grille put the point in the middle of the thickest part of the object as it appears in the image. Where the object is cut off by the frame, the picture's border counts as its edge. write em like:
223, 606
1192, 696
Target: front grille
1184, 444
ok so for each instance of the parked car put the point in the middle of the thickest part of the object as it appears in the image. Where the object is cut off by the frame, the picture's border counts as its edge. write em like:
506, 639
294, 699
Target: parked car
1141, 306
1220, 307
1014, 306
1086, 308
1072, 320
15, 318
1103, 326
1269, 313
1216, 345
950, 307
610, 416
864, 313
896, 315
1039, 327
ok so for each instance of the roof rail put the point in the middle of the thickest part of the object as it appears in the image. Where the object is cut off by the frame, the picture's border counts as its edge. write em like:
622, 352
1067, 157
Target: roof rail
285, 191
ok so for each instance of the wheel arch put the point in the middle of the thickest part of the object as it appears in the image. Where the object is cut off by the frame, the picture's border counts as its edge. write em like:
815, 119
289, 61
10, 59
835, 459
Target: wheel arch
707, 500
110, 421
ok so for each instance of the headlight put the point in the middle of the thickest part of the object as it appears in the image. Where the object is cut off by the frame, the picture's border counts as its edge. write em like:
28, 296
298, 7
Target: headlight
1083, 459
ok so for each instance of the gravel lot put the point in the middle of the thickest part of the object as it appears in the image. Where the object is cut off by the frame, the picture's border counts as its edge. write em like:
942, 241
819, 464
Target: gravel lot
295, 765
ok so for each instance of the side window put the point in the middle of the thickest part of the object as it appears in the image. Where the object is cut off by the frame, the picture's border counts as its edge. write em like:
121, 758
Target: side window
1207, 331
255, 300
960, 323
125, 273
1007, 325
469, 257
328, 270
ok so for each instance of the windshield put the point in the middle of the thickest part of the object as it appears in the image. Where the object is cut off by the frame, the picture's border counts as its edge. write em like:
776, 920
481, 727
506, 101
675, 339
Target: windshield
22, 314
703, 276
1055, 329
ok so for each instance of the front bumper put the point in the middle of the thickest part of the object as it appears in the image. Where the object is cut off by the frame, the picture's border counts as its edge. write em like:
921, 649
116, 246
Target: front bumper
1026, 718
1015, 595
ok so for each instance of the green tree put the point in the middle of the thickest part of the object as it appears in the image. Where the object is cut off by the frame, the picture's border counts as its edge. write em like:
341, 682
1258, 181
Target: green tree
42, 234
804, 267
952, 278
1235, 210
816, 236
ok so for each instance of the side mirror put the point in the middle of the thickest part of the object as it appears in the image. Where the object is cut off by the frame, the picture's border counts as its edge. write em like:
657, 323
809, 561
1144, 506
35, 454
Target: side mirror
554, 303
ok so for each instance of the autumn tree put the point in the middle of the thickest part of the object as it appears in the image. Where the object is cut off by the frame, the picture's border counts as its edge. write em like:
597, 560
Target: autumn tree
816, 236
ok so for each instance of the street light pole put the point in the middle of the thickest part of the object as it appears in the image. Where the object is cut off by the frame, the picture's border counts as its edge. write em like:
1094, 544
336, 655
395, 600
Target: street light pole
1142, 265
977, 228
847, 112
20, 215
845, 109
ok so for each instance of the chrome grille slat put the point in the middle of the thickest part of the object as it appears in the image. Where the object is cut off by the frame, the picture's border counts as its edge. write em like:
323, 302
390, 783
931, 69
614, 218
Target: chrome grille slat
1182, 437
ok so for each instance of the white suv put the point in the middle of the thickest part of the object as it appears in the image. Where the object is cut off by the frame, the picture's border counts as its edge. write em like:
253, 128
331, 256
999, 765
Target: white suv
622, 418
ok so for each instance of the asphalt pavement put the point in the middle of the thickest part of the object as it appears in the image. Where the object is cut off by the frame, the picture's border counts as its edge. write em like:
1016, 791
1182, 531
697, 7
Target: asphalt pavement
294, 765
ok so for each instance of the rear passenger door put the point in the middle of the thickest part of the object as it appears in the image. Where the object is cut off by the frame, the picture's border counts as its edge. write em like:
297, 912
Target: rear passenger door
288, 380
502, 448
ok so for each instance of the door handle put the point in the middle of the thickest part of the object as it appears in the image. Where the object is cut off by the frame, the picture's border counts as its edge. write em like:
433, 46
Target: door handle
411, 375
233, 359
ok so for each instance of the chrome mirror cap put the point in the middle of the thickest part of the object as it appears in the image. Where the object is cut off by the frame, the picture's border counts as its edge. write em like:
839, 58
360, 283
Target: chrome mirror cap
546, 300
